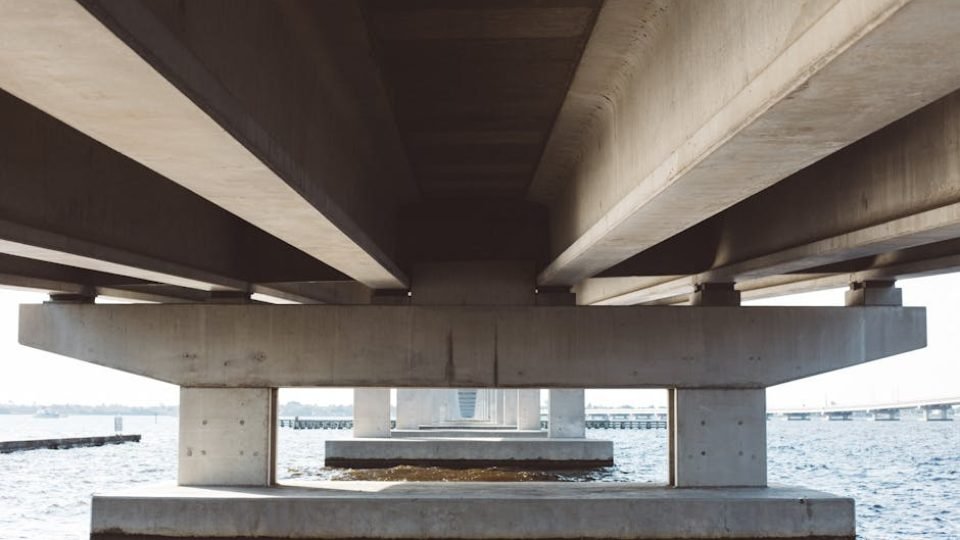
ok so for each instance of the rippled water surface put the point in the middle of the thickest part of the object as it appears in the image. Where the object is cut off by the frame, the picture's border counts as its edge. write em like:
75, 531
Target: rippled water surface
904, 475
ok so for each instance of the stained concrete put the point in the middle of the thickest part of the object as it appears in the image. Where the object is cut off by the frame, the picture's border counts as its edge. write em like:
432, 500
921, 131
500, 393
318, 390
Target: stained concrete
473, 346
227, 436
470, 510
458, 452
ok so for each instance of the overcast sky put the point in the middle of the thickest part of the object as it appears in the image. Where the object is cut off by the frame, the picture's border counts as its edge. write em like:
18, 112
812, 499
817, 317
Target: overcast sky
29, 376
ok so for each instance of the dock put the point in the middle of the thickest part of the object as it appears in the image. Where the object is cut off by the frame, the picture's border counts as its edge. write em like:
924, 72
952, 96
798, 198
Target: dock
63, 444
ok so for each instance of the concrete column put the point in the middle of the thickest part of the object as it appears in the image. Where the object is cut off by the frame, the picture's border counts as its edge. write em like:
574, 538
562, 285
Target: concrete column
528, 409
567, 414
227, 436
510, 403
371, 412
409, 408
719, 438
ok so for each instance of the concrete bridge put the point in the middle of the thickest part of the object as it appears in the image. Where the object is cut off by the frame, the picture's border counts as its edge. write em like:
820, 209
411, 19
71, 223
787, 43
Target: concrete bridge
930, 410
557, 194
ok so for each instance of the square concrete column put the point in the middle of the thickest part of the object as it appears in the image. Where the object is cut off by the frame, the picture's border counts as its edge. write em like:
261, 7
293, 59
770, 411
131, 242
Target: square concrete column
528, 409
227, 436
719, 438
567, 414
510, 401
371, 412
408, 408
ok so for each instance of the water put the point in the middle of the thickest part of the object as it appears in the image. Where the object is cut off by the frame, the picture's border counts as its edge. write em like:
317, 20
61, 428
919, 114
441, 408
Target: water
904, 475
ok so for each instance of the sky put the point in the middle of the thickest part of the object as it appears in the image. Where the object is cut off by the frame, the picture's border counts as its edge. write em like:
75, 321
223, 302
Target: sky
29, 376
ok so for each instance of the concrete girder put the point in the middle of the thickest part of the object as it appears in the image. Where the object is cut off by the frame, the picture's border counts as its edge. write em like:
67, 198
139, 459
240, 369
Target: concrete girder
725, 100
886, 206
236, 148
472, 346
91, 208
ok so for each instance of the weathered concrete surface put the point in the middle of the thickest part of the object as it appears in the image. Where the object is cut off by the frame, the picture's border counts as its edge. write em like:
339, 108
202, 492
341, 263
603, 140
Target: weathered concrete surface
567, 413
475, 511
720, 438
227, 436
896, 189
469, 433
477, 451
371, 412
473, 347
528, 409
248, 141
680, 112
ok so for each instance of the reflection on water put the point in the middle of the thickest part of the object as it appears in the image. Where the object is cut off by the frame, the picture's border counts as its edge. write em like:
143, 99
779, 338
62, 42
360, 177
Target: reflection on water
905, 475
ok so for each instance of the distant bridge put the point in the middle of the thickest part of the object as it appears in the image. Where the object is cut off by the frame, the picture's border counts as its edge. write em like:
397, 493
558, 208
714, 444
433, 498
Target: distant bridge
933, 409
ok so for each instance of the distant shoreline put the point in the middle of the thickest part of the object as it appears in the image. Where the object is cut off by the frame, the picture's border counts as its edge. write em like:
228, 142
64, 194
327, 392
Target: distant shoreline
290, 409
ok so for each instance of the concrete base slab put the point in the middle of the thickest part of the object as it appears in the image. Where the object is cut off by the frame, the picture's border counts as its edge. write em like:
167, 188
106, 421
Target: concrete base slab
470, 452
461, 433
471, 510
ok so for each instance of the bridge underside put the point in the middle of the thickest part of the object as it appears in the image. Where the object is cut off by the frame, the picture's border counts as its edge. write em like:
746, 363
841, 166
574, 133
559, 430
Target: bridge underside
481, 194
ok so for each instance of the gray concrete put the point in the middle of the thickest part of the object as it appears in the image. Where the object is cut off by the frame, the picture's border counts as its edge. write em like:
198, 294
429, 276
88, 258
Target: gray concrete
371, 412
567, 413
475, 511
720, 438
794, 83
227, 436
496, 433
273, 179
473, 346
528, 409
478, 451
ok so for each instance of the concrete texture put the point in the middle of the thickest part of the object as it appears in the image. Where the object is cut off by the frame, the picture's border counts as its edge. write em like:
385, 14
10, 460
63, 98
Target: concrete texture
371, 412
905, 175
501, 433
227, 436
459, 452
475, 511
567, 413
528, 409
720, 438
473, 346
792, 83
246, 148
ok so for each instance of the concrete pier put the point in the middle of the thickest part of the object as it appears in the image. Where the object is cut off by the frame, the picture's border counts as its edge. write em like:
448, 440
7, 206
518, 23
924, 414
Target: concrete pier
470, 452
371, 412
474, 511
567, 414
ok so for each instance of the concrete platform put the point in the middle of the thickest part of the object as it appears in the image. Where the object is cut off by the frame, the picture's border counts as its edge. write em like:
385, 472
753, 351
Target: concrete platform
471, 510
470, 452
468, 433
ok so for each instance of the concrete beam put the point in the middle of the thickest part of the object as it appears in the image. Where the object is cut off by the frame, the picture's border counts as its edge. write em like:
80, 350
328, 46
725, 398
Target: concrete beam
248, 125
890, 199
473, 346
718, 101
91, 208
